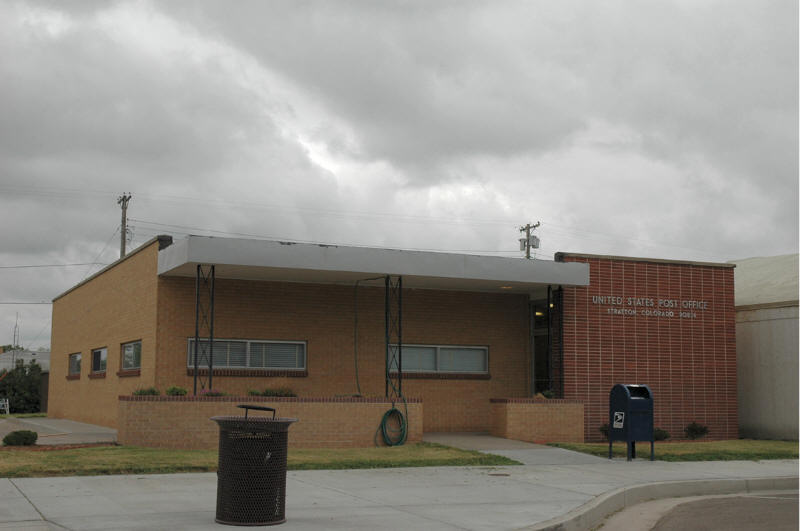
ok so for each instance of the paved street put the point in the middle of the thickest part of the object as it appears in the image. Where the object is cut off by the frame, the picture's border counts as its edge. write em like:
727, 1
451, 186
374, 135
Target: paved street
750, 512
776, 512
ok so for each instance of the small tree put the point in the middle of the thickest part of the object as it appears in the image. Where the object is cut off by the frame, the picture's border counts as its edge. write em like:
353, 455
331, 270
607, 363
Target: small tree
10, 347
21, 385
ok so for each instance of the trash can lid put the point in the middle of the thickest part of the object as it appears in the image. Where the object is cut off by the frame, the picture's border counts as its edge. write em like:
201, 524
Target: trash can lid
254, 423
256, 420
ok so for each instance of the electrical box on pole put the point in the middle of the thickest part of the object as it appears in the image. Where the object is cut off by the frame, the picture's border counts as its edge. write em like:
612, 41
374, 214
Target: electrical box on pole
529, 241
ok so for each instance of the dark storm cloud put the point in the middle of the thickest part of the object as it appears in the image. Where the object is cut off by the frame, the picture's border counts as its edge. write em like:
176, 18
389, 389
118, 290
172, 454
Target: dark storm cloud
86, 109
424, 83
91, 109
115, 105
419, 84
664, 129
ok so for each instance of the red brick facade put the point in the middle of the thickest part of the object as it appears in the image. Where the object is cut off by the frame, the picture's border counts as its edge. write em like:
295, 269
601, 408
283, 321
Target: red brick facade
666, 324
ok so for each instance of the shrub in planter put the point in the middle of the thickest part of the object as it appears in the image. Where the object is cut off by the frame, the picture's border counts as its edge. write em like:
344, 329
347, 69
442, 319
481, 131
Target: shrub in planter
696, 431
146, 391
548, 394
211, 392
278, 391
174, 390
21, 438
660, 435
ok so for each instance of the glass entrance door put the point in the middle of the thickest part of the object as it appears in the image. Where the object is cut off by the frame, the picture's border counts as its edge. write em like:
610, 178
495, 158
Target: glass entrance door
540, 344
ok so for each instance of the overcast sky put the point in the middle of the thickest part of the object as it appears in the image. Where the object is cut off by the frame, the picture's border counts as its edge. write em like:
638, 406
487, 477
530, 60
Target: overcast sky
661, 129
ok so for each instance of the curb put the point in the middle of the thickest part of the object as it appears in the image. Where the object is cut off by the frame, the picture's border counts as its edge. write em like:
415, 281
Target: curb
55, 447
592, 513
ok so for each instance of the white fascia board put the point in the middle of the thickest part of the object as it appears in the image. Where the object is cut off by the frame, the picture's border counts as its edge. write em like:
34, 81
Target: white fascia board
365, 261
174, 256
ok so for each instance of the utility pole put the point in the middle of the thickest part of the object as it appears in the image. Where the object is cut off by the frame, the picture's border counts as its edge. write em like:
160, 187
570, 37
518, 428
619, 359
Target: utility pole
525, 243
15, 343
123, 235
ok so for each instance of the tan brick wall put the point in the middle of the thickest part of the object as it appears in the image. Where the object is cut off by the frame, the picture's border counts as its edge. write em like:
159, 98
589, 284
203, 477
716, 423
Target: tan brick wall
115, 307
535, 420
184, 422
323, 316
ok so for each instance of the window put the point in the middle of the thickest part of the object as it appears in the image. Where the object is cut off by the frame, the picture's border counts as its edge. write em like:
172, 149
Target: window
75, 364
445, 359
99, 357
246, 354
131, 356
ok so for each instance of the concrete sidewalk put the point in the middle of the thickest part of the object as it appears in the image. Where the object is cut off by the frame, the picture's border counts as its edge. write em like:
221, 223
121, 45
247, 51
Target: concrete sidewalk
59, 431
521, 451
436, 498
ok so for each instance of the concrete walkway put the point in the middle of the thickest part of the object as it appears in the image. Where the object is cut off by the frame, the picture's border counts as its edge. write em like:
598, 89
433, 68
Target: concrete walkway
576, 496
58, 431
524, 452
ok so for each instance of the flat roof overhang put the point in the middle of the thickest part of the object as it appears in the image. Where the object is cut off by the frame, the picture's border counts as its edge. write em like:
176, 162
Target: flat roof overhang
266, 260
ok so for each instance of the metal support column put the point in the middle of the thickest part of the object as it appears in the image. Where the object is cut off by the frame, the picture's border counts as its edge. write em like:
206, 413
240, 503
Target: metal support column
393, 302
532, 343
203, 347
549, 310
557, 342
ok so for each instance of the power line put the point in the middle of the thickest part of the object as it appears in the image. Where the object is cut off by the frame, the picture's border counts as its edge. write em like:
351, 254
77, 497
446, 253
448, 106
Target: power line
100, 253
580, 234
588, 235
328, 212
35, 339
153, 232
262, 236
52, 191
30, 266
314, 242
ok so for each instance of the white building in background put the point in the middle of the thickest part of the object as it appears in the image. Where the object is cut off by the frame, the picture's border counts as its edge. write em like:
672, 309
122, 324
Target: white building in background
8, 359
767, 346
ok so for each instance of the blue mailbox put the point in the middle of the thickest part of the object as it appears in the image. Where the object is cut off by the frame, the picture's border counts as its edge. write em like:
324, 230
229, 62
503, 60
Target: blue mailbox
630, 417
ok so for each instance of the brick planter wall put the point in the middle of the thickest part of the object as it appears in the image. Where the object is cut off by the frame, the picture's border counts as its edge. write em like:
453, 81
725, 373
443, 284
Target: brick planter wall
537, 420
184, 422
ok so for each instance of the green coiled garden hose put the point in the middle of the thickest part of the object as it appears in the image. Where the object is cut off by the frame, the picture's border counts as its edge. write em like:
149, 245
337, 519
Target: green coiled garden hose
394, 436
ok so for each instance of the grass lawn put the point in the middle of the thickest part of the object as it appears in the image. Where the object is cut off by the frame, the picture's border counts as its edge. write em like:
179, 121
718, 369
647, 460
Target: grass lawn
735, 450
131, 460
22, 415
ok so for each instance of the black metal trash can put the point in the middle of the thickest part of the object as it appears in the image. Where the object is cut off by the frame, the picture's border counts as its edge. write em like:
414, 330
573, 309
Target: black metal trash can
630, 417
251, 476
